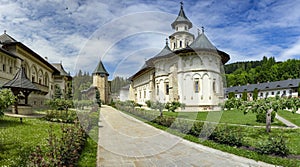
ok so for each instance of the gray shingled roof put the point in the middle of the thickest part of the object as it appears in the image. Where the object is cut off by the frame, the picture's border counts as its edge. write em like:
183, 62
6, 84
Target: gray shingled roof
202, 42
291, 83
5, 38
181, 18
165, 51
20, 81
100, 69
61, 69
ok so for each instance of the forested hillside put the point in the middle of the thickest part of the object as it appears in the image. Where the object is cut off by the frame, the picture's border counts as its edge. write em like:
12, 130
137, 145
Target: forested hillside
117, 83
267, 69
81, 81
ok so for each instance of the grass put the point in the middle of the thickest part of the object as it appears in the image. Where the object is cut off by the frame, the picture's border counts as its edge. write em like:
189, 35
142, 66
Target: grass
89, 154
229, 117
18, 140
292, 117
252, 136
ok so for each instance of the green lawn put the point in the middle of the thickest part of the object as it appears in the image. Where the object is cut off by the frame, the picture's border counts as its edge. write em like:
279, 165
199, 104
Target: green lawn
89, 154
230, 117
18, 140
294, 118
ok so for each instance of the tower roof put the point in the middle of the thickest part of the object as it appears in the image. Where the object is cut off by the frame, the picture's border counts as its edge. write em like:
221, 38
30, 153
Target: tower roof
166, 50
202, 42
100, 69
181, 18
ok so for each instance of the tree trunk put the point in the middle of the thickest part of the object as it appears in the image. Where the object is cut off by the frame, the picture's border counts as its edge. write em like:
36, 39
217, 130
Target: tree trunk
268, 120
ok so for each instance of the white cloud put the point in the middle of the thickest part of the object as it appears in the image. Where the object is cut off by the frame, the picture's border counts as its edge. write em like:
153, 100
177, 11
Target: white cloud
109, 29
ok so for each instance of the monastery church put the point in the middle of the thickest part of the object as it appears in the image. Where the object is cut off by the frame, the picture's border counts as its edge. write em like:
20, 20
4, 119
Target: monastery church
188, 70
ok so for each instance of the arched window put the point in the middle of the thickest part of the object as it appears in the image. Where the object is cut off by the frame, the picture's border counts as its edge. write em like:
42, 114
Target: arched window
174, 45
180, 44
167, 88
46, 82
196, 85
214, 86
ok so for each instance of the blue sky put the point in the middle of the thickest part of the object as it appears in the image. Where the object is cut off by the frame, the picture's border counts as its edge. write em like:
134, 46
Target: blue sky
126, 33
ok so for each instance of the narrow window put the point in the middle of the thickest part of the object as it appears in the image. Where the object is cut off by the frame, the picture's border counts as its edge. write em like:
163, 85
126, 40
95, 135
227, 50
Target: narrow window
3, 68
144, 94
167, 88
32, 78
261, 94
174, 45
157, 90
272, 93
180, 44
214, 86
185, 27
10, 70
196, 85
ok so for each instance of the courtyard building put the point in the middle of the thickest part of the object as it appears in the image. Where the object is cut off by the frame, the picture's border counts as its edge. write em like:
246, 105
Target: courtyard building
284, 88
43, 74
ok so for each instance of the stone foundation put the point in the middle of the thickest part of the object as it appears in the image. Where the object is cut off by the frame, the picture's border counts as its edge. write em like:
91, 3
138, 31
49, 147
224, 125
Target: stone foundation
23, 110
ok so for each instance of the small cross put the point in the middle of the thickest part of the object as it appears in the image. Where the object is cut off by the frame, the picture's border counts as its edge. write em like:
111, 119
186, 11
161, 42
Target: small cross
4, 31
202, 28
166, 41
181, 3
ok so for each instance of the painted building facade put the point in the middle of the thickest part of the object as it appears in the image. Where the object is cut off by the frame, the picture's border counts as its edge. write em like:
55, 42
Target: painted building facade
188, 70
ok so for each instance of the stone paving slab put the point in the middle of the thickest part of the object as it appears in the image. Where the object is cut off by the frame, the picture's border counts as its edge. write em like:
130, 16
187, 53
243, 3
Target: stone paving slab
125, 141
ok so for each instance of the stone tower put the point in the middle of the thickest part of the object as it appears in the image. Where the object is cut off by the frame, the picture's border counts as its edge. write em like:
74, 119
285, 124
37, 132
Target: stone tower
100, 80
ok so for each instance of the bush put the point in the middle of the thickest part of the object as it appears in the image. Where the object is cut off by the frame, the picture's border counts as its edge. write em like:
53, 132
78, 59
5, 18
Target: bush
164, 121
172, 106
196, 129
148, 103
274, 145
227, 135
60, 151
261, 117
182, 125
6, 99
61, 116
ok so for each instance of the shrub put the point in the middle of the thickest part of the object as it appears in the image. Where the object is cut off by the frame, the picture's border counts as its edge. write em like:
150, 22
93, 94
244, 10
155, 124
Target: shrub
172, 106
182, 125
261, 117
6, 99
61, 116
148, 103
274, 145
60, 151
227, 135
196, 128
164, 121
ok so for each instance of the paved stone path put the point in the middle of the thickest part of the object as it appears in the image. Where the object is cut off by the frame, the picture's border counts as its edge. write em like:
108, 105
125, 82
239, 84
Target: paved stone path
286, 122
126, 141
